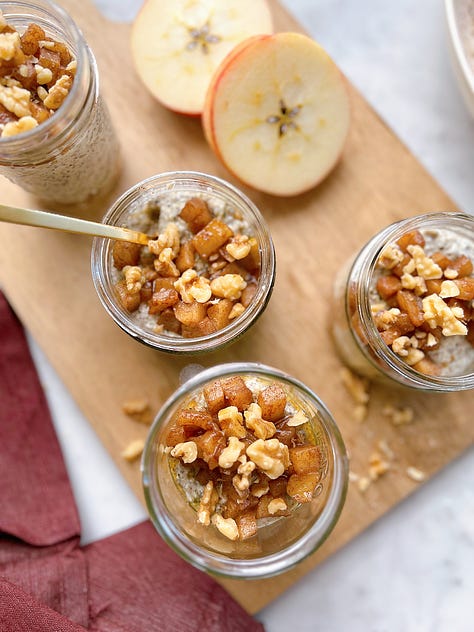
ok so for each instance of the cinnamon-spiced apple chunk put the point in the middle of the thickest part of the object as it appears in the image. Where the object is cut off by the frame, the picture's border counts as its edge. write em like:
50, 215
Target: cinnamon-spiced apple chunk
249, 448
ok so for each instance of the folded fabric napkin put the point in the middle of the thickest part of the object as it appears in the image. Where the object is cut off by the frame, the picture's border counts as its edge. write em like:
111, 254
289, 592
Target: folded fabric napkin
131, 581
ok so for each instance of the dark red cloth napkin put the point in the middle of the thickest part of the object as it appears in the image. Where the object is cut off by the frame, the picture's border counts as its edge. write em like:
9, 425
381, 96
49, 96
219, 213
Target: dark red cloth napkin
130, 582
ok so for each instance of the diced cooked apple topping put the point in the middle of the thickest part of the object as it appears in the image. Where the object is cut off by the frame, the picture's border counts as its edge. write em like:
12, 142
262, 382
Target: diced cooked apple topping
248, 459
423, 299
36, 75
182, 300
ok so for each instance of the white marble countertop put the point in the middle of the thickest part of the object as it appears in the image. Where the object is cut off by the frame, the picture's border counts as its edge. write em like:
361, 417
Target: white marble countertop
412, 570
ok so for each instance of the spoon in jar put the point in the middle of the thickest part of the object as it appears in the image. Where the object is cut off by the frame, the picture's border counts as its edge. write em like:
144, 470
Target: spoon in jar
43, 219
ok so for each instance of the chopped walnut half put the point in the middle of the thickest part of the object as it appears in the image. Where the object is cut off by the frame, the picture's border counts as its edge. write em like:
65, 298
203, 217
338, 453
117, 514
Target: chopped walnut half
438, 314
58, 92
133, 450
231, 453
192, 287
169, 238
24, 124
253, 419
186, 451
357, 386
15, 100
9, 45
227, 526
242, 479
425, 266
238, 247
391, 256
276, 505
415, 474
271, 456
134, 278
228, 286
297, 419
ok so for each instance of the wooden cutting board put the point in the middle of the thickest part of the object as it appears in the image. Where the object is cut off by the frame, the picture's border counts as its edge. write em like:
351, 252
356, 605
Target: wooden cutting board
46, 276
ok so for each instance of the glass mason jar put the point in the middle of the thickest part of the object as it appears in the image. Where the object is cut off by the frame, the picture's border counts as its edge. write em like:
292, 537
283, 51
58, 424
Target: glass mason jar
182, 185
281, 542
75, 153
356, 337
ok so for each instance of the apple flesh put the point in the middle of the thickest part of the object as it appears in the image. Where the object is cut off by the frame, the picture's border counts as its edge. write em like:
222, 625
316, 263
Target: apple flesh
177, 44
277, 113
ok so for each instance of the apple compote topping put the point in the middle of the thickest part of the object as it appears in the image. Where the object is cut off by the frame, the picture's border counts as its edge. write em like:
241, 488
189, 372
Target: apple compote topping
197, 274
420, 301
242, 452
36, 75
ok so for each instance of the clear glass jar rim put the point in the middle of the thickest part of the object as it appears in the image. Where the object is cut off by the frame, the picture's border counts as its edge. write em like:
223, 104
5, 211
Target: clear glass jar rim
211, 341
367, 259
274, 563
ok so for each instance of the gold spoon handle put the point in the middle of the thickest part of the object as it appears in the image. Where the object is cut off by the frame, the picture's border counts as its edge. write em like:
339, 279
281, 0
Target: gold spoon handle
43, 219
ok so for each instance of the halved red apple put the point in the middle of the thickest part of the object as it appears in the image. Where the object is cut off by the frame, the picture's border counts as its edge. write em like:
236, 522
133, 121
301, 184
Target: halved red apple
277, 113
177, 44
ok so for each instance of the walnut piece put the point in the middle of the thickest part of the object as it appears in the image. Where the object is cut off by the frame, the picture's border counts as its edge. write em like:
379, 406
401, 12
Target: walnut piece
16, 100
449, 289
133, 450
415, 474
242, 480
58, 92
425, 266
165, 265
227, 526
276, 505
298, 419
391, 256
43, 75
10, 45
231, 453
438, 314
377, 466
228, 286
186, 451
271, 456
169, 238
24, 124
192, 287
230, 420
358, 387
238, 247
253, 419
236, 311
134, 278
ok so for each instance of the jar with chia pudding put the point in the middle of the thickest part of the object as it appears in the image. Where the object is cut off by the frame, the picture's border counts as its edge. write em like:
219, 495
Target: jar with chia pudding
206, 274
244, 471
56, 137
403, 309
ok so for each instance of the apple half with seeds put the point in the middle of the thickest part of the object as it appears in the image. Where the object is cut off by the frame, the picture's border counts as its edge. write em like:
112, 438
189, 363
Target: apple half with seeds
277, 113
177, 44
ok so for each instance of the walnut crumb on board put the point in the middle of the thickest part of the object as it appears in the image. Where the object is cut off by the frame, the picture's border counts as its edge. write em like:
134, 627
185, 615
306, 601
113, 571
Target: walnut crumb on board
358, 389
139, 410
415, 474
133, 450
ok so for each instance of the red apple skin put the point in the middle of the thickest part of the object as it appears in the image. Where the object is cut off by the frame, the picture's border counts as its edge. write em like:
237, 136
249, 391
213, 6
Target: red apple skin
208, 110
208, 114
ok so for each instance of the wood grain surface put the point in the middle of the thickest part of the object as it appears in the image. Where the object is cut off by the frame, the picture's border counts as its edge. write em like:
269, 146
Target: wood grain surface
46, 276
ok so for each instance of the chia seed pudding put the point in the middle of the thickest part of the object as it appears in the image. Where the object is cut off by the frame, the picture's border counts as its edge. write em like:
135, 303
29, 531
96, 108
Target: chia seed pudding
421, 298
56, 136
244, 452
199, 271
